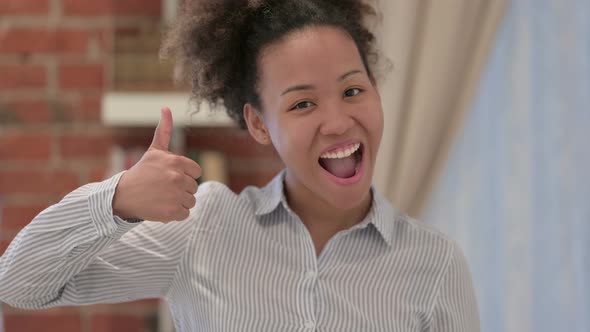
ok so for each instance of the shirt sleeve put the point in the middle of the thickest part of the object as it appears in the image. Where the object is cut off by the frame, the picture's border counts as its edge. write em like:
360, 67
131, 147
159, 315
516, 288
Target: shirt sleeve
455, 308
76, 253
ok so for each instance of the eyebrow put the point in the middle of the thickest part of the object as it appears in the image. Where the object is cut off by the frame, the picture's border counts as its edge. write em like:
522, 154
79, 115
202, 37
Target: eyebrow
300, 87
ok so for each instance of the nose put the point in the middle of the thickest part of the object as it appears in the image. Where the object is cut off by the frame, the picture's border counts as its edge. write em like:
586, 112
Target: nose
336, 121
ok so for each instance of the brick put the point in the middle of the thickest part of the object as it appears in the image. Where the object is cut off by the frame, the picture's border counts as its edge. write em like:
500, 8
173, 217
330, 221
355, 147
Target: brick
84, 109
23, 146
72, 41
15, 217
18, 76
81, 76
56, 182
118, 323
138, 7
30, 111
24, 7
90, 108
110, 7
23, 40
106, 39
87, 109
87, 8
97, 174
42, 322
85, 146
44, 40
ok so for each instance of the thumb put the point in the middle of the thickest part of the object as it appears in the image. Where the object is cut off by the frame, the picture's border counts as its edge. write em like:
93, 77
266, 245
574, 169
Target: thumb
163, 132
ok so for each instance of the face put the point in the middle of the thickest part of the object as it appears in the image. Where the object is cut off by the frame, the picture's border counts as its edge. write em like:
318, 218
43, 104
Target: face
318, 106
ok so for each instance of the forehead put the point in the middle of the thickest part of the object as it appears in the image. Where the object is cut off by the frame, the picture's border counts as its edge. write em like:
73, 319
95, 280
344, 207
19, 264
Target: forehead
307, 56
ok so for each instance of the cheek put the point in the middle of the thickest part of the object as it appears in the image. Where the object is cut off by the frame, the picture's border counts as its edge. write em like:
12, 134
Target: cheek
372, 119
295, 141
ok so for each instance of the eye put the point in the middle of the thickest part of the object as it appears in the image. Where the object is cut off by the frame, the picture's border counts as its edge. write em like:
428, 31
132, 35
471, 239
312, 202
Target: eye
352, 92
303, 105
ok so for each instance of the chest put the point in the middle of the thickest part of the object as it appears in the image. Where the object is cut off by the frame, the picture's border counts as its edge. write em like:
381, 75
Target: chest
270, 279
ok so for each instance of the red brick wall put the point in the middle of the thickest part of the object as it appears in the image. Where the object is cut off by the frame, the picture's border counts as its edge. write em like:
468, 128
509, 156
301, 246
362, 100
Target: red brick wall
55, 64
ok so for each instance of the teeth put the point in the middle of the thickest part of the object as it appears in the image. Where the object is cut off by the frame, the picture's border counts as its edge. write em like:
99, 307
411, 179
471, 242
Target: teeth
342, 154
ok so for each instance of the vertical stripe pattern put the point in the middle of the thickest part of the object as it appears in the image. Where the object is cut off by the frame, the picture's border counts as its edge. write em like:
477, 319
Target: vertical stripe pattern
242, 262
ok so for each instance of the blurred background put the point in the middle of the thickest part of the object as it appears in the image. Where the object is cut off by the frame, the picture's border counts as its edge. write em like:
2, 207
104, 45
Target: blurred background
486, 138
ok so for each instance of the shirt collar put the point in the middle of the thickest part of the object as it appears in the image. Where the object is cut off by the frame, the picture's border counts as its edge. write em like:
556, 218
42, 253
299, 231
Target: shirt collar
271, 195
381, 215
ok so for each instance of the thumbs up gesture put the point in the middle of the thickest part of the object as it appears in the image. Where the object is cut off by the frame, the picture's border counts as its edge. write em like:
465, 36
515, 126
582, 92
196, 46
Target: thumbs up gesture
161, 186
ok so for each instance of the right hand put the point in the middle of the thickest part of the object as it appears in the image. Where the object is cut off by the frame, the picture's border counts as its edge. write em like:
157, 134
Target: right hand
161, 186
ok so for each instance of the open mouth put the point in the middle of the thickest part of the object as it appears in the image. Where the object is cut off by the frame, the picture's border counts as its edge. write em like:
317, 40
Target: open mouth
344, 165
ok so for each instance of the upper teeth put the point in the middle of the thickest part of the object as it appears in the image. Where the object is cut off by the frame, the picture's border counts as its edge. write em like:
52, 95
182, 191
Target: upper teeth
341, 154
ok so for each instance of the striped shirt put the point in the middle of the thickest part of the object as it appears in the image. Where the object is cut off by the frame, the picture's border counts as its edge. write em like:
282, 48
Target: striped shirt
242, 262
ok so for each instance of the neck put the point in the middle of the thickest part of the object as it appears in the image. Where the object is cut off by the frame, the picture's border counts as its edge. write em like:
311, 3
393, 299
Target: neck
318, 215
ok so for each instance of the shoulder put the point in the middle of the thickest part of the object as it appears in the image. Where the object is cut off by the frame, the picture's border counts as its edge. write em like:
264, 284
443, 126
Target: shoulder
214, 197
422, 232
406, 233
429, 245
215, 200
434, 256
214, 192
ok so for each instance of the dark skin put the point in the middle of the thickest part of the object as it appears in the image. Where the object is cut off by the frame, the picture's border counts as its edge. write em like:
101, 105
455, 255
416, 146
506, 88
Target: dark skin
316, 94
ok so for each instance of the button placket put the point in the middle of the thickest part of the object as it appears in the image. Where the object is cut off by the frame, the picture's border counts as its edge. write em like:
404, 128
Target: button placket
308, 277
310, 280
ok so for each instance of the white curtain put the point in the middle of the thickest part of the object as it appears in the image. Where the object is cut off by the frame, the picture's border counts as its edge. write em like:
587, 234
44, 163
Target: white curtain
516, 192
438, 50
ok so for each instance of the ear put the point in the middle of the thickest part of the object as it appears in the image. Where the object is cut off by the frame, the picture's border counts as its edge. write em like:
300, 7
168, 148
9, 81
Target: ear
256, 125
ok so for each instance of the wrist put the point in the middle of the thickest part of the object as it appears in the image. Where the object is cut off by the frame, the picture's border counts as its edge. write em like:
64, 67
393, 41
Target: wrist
119, 210
120, 213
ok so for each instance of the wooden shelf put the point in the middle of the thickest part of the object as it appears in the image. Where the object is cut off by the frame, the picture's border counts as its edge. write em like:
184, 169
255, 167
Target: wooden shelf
142, 109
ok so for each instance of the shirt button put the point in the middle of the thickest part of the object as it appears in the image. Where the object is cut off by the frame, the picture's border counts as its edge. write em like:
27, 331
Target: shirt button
311, 275
309, 325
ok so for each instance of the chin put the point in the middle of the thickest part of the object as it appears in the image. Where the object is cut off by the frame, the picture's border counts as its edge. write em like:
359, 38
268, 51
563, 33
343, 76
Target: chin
349, 196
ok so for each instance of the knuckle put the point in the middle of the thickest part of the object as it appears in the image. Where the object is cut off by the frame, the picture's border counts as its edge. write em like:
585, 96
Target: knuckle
177, 161
170, 213
186, 160
192, 166
184, 214
176, 177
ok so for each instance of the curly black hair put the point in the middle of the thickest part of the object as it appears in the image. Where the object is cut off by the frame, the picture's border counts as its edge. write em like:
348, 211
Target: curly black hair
215, 43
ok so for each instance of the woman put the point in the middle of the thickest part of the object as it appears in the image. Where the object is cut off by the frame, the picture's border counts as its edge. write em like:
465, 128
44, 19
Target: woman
317, 249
